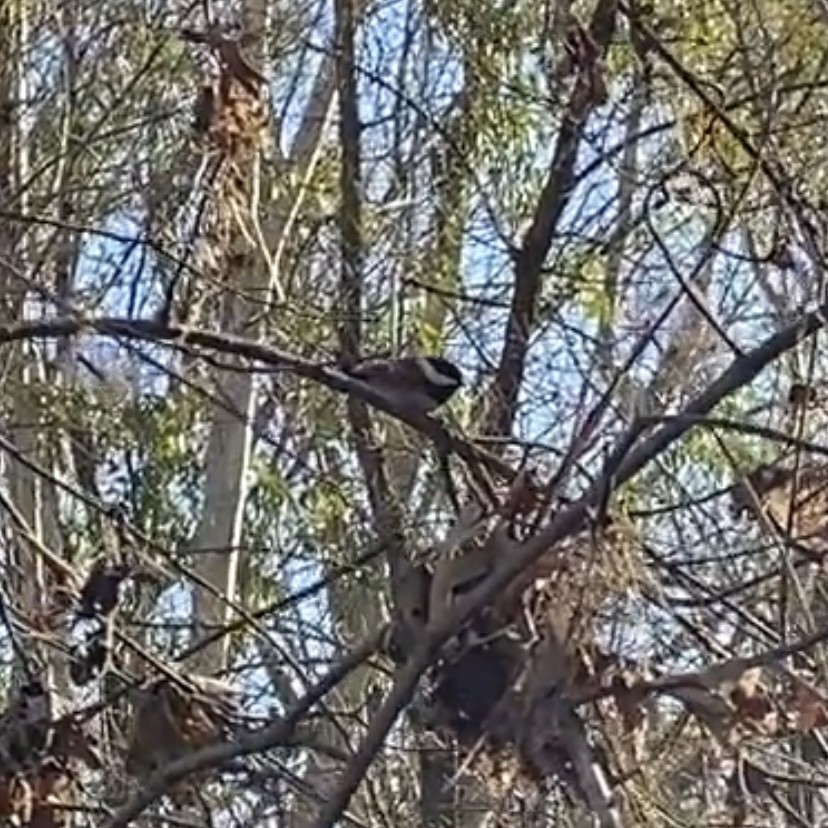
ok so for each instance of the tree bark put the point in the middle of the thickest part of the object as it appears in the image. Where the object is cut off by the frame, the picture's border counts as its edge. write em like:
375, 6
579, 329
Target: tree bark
230, 439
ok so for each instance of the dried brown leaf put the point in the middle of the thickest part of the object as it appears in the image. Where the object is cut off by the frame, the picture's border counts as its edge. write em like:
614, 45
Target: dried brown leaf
750, 699
809, 709
629, 693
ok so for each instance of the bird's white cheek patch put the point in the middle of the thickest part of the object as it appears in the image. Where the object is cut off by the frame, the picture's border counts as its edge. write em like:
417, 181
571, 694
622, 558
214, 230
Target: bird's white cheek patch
432, 375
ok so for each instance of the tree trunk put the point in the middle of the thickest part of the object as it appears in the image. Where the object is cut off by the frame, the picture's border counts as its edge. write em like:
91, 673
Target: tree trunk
219, 530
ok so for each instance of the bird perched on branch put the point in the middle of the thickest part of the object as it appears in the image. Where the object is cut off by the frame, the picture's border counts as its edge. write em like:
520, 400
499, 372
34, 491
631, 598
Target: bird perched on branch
417, 384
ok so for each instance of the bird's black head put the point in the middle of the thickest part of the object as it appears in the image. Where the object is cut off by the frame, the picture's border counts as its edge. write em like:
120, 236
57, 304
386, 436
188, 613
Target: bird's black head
443, 377
417, 383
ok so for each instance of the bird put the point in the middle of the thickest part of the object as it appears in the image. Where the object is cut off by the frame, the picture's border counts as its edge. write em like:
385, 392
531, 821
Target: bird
417, 384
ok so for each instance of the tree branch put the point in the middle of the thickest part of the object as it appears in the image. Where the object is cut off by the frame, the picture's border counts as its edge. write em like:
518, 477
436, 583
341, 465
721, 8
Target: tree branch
620, 467
502, 395
182, 337
219, 754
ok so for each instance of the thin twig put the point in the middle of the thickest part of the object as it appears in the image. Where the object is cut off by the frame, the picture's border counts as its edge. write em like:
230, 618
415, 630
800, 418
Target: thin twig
277, 733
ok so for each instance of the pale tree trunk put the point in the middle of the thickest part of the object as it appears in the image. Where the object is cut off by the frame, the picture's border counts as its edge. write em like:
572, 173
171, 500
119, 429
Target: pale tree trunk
23, 485
354, 610
78, 442
21, 481
229, 444
31, 513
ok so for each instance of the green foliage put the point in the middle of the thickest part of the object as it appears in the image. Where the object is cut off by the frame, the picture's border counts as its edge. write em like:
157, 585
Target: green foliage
461, 110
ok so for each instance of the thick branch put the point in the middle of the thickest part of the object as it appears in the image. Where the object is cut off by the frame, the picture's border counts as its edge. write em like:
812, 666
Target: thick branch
619, 468
278, 733
538, 239
184, 337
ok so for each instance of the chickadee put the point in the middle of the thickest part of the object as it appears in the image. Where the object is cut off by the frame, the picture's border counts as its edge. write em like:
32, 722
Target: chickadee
417, 384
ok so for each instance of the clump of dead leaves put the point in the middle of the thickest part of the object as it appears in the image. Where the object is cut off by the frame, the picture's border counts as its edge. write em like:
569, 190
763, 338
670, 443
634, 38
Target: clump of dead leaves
174, 717
39, 760
732, 698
